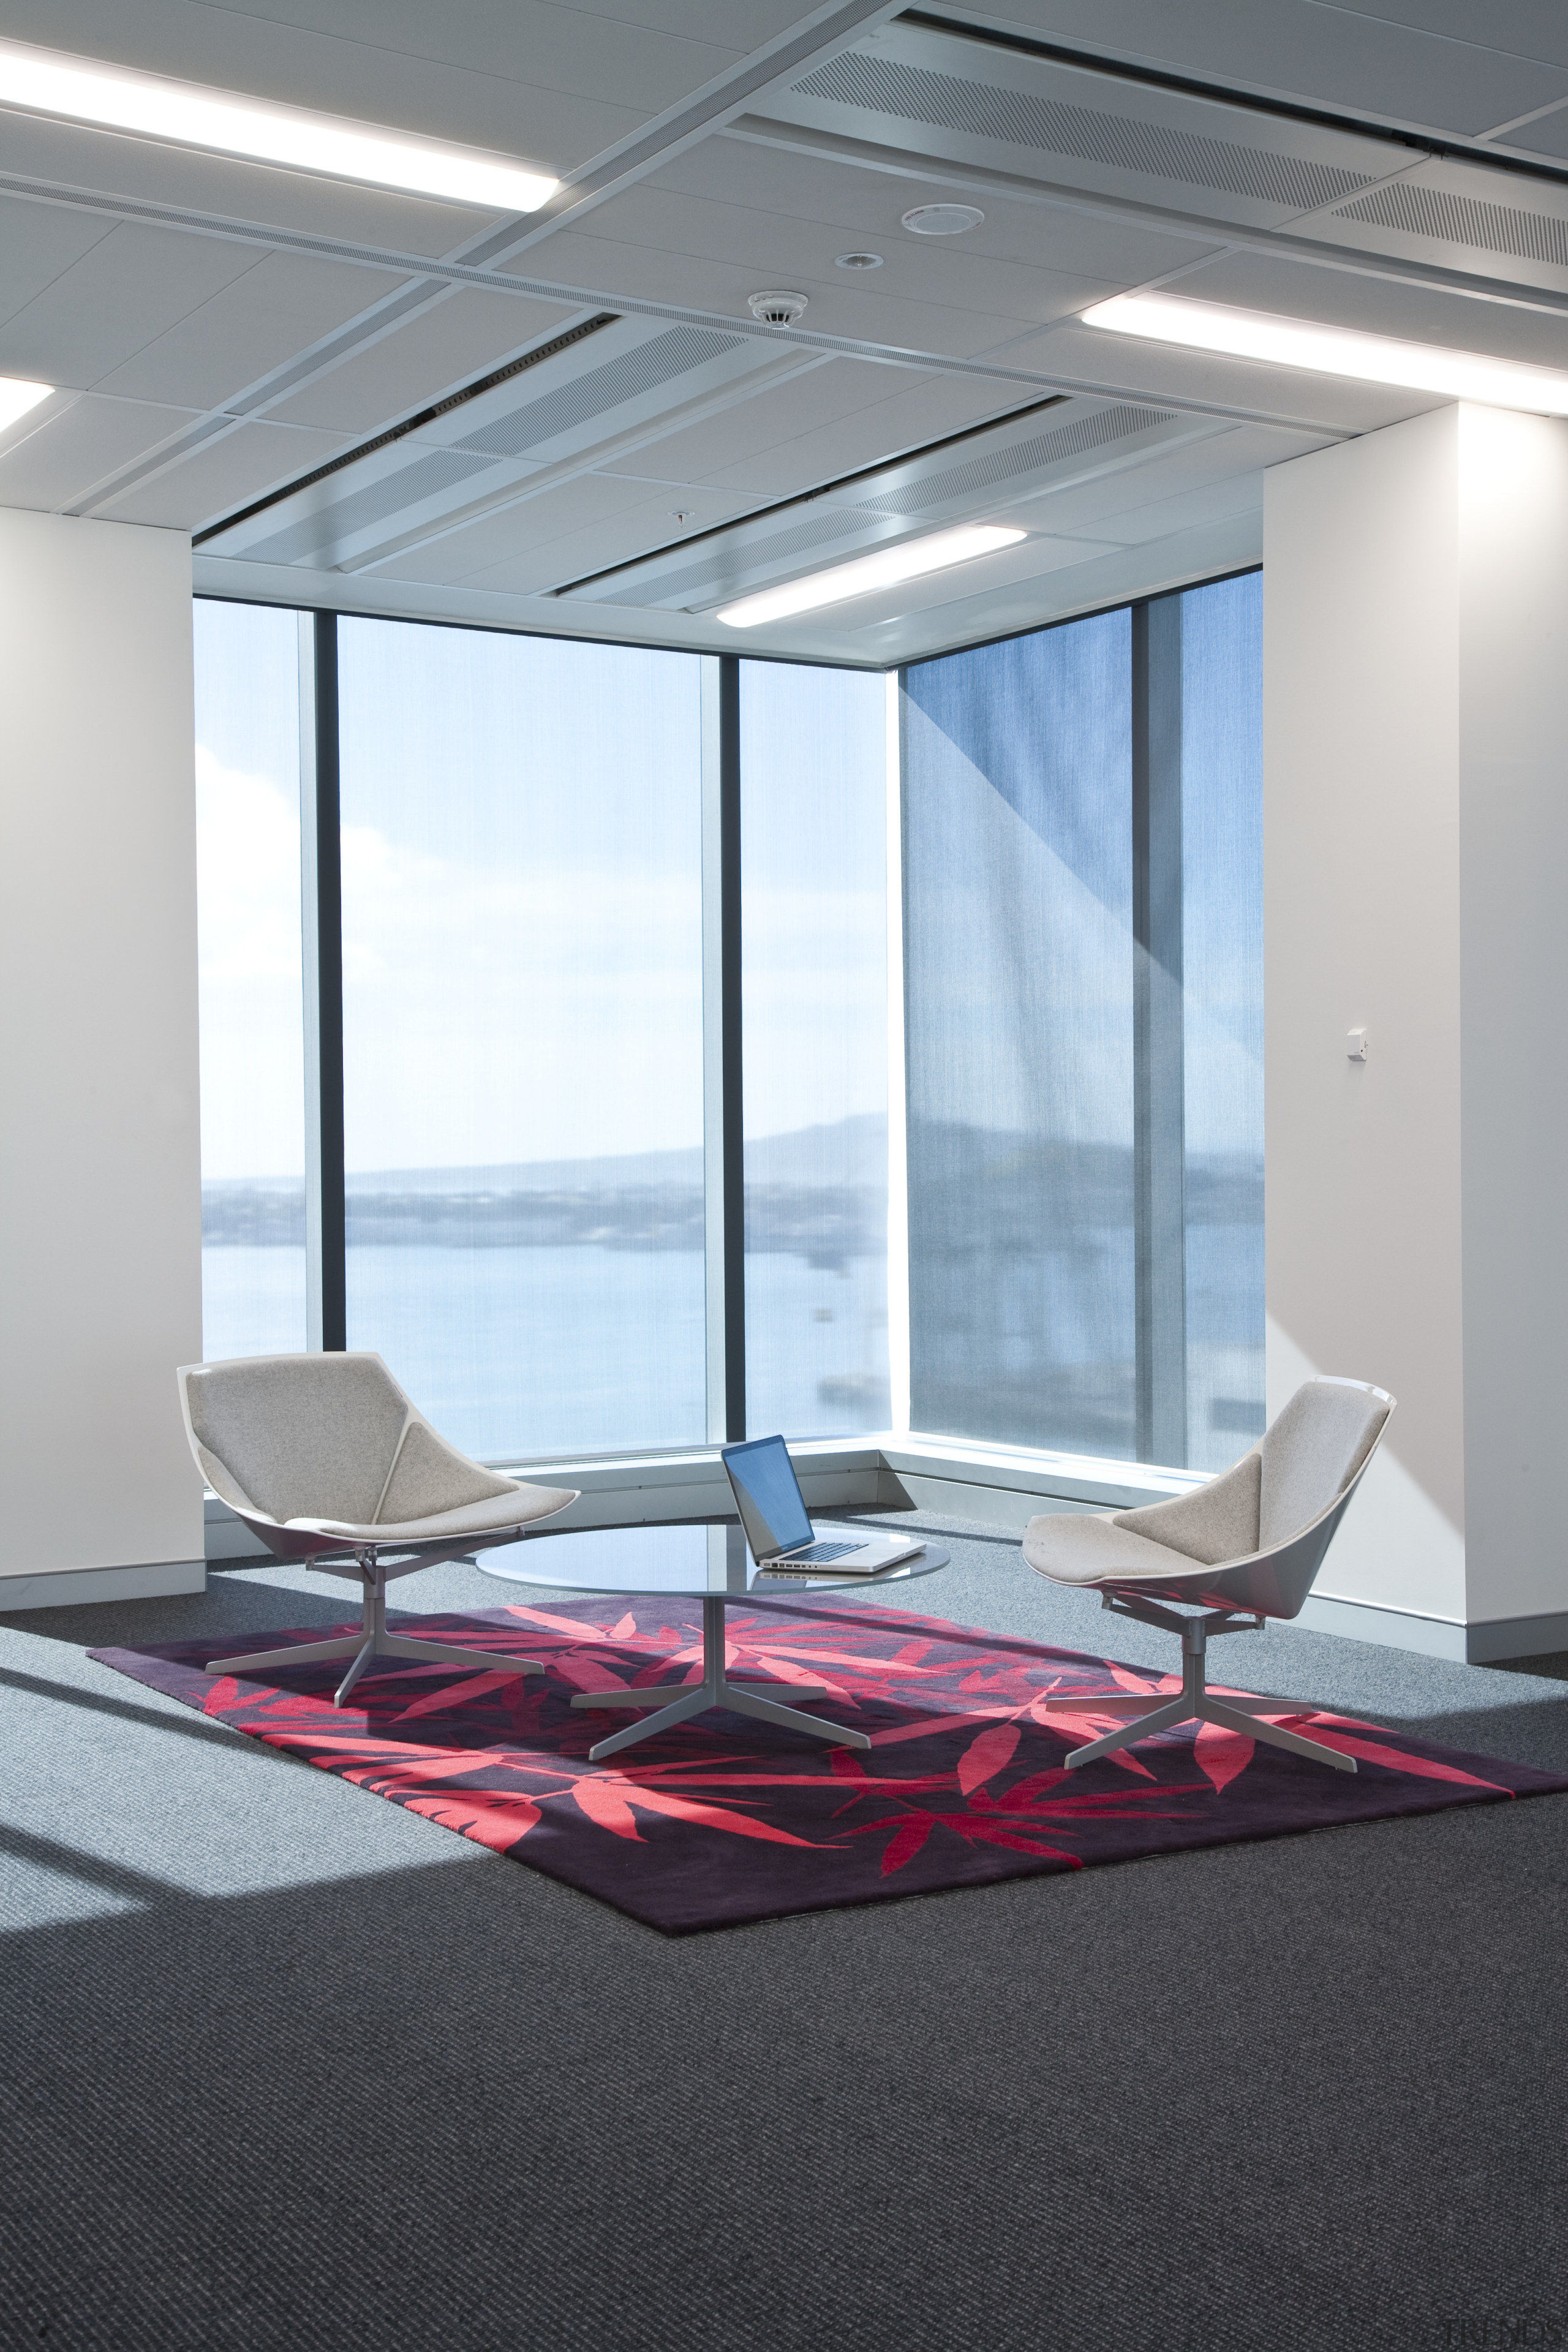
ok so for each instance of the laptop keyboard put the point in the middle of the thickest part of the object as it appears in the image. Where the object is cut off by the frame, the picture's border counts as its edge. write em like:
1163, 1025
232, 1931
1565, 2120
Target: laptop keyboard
819, 1552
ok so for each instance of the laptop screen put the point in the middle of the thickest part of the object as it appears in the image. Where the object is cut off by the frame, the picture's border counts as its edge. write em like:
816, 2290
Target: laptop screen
767, 1493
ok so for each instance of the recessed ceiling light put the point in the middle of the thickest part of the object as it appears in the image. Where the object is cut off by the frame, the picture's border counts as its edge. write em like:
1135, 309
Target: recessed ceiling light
858, 261
1335, 351
16, 397
942, 220
886, 569
44, 82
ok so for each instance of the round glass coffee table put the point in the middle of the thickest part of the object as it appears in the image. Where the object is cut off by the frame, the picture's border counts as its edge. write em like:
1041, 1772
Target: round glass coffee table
711, 1564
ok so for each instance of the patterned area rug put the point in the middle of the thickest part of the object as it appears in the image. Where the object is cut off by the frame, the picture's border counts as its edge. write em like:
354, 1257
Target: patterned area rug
724, 1820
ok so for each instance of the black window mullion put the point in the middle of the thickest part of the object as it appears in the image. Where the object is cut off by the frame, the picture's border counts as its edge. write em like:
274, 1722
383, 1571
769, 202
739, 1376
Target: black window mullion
732, 1048
327, 946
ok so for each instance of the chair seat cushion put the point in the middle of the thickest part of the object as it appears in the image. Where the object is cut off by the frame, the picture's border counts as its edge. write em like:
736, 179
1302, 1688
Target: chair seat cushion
1088, 1548
517, 1508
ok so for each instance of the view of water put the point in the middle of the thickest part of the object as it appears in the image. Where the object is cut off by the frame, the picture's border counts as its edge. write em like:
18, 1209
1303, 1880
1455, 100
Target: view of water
521, 1351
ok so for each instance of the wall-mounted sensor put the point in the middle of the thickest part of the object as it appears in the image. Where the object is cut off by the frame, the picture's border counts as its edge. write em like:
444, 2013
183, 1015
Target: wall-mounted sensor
1355, 1045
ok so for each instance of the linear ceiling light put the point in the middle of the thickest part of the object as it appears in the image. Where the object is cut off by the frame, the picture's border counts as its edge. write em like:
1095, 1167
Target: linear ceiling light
44, 82
16, 397
886, 569
1335, 351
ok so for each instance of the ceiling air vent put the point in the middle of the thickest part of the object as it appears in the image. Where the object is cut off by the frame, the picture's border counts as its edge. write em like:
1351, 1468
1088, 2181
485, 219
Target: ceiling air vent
1069, 440
1447, 218
358, 509
1018, 117
600, 389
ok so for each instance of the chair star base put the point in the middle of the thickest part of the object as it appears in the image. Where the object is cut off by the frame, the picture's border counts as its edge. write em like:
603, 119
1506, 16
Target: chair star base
677, 1702
373, 1640
1193, 1702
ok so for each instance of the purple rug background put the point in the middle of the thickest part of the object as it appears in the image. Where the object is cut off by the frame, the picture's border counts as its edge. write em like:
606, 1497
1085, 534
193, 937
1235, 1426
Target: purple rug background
724, 1821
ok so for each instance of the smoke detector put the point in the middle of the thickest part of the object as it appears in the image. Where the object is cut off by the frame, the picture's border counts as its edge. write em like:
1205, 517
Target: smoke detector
942, 220
858, 261
776, 309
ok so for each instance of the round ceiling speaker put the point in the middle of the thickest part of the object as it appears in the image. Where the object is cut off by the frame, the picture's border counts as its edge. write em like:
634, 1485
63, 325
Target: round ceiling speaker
858, 261
942, 220
776, 309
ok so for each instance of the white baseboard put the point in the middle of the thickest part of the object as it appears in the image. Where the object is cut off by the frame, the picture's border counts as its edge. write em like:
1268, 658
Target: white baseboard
68, 1588
1482, 1642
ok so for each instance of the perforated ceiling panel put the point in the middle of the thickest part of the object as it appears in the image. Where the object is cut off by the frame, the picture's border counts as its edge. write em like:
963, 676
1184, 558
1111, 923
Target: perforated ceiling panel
1449, 217
609, 387
951, 102
1069, 440
357, 509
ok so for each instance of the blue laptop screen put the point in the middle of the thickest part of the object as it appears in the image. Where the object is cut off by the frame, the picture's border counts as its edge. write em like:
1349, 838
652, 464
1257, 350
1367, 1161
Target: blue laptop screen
768, 1492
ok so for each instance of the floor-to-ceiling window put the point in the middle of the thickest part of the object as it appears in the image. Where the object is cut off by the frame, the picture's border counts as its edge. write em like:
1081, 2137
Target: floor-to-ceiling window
1020, 1014
813, 909
576, 964
1083, 933
252, 1021
523, 1032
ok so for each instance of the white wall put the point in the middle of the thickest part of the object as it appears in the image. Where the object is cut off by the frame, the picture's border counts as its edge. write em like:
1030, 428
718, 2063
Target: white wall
1414, 584
1513, 825
99, 1177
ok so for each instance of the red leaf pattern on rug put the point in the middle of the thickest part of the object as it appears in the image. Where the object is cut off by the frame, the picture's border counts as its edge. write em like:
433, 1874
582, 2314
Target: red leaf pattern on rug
724, 1819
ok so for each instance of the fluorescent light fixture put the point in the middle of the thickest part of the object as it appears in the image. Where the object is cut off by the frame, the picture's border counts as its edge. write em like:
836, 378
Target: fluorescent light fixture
16, 397
1334, 351
44, 82
886, 569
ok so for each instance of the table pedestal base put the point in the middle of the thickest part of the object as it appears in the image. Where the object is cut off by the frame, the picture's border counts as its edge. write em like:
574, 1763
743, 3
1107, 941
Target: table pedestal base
676, 1702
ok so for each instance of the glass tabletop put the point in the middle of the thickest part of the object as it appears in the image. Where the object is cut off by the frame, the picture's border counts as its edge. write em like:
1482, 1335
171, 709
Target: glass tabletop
689, 1560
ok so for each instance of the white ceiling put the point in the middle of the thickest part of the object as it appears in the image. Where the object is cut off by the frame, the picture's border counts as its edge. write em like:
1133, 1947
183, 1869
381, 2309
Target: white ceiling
220, 331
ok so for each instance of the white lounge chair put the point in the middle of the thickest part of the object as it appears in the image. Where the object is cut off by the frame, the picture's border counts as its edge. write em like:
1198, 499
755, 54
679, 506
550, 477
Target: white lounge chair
1242, 1550
333, 1467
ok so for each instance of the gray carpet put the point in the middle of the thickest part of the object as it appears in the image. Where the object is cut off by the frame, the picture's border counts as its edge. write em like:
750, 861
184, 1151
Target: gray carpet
288, 2068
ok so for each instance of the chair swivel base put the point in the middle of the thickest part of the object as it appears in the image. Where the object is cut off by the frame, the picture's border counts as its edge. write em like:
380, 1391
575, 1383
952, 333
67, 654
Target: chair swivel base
676, 1702
1193, 1702
371, 1641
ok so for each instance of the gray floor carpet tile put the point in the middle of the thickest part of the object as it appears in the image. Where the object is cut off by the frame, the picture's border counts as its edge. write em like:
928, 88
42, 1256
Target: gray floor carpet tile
289, 2068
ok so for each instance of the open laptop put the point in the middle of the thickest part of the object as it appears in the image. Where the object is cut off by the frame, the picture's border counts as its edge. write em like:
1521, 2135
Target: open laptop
778, 1527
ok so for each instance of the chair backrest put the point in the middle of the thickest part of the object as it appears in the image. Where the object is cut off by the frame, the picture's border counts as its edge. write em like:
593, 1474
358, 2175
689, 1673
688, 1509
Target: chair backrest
311, 1437
1313, 1451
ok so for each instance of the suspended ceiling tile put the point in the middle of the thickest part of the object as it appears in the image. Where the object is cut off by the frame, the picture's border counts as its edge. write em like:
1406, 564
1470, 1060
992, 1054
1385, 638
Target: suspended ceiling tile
610, 269
513, 532
773, 251
131, 288
605, 55
374, 77
1232, 493
462, 336
279, 308
1404, 71
820, 398
868, 204
38, 243
93, 438
620, 537
927, 411
1381, 306
1112, 506
1547, 137
1520, 29
535, 538
143, 172
222, 475
1148, 370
